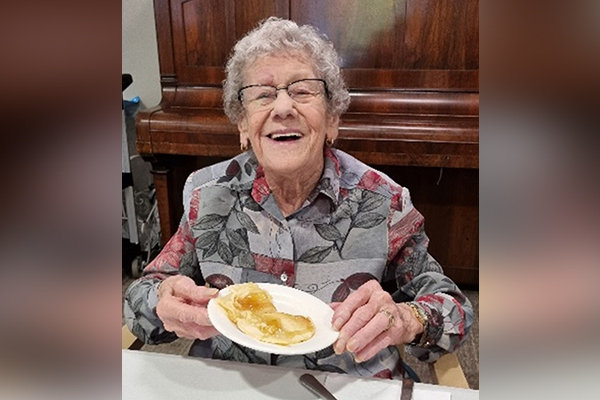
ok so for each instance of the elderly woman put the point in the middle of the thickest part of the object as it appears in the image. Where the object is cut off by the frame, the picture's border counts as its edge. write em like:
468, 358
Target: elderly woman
294, 211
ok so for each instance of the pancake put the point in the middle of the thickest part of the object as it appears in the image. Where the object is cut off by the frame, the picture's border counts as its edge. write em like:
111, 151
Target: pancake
251, 309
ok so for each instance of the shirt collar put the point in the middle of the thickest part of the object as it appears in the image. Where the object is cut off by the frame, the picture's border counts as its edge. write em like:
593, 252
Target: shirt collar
253, 178
329, 185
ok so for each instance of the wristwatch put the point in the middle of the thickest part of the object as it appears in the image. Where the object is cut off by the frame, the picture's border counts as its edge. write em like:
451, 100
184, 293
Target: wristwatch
421, 316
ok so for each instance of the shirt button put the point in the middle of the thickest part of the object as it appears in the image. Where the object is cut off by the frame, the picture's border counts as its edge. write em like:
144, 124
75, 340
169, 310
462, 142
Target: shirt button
283, 277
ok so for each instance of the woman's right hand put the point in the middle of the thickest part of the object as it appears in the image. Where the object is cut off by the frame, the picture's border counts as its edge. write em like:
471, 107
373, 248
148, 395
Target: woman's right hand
182, 307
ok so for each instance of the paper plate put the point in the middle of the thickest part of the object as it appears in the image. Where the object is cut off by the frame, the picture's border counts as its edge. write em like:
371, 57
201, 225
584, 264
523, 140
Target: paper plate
288, 300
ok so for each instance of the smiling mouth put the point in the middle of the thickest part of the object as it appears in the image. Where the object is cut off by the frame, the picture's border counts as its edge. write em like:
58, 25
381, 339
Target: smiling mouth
284, 137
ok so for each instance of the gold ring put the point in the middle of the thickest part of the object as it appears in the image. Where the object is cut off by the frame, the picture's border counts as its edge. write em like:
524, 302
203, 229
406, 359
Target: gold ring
391, 319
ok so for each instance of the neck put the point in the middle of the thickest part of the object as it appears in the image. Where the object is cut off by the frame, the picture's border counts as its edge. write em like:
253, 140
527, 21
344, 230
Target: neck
291, 190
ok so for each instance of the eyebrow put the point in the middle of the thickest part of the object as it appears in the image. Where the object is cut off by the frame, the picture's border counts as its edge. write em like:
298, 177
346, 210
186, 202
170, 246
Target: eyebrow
294, 78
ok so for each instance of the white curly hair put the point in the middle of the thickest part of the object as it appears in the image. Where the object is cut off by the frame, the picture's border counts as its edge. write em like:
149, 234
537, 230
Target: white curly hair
276, 36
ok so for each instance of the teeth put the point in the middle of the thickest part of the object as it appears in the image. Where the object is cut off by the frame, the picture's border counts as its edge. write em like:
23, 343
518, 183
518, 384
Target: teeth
276, 136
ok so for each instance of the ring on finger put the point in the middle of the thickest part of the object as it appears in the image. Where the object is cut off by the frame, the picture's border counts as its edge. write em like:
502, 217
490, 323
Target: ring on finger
391, 319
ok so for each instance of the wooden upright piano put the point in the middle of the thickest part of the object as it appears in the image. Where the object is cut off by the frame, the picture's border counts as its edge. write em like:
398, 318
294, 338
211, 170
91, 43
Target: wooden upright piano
412, 67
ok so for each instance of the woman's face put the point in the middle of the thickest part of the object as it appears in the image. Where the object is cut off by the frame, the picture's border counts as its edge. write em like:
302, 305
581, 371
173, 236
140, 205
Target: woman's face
287, 137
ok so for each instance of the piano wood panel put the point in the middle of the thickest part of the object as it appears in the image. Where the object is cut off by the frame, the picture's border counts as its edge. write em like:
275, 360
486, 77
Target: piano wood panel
251, 11
365, 37
441, 34
204, 31
400, 43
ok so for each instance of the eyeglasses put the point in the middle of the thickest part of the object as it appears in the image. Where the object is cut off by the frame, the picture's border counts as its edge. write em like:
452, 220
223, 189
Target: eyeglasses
302, 91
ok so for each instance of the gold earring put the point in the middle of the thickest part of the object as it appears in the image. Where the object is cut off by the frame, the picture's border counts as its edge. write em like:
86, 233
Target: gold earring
329, 142
244, 147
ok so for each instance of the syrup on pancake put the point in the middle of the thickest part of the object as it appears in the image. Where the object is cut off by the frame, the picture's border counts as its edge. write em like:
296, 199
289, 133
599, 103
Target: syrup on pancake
251, 309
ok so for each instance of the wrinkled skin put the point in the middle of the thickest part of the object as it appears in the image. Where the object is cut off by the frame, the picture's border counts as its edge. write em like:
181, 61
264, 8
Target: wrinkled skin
182, 308
362, 326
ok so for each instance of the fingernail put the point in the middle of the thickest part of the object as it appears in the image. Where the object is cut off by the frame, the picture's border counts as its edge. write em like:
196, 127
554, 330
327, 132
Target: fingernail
352, 345
337, 324
213, 291
339, 321
339, 346
337, 349
357, 359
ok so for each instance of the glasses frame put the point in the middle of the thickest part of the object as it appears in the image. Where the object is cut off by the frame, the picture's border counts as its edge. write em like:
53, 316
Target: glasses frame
277, 89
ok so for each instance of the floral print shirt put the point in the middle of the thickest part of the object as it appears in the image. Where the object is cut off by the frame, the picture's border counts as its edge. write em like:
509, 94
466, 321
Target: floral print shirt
356, 225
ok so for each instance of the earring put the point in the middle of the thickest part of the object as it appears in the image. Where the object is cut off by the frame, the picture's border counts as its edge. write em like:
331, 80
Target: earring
329, 142
244, 147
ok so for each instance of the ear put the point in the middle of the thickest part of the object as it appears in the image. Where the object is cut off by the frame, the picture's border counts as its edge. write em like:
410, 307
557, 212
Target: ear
333, 128
243, 128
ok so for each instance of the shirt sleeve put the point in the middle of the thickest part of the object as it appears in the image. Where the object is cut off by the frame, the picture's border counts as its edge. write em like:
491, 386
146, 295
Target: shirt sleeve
420, 279
177, 257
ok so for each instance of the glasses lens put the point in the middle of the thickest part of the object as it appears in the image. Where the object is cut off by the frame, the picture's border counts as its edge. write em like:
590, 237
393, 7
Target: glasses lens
306, 90
303, 91
259, 94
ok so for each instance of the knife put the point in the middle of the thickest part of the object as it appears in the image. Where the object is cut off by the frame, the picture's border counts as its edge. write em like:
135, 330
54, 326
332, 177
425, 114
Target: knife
312, 384
407, 389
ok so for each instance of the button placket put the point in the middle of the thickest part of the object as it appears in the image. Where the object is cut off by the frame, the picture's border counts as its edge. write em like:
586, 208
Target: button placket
287, 251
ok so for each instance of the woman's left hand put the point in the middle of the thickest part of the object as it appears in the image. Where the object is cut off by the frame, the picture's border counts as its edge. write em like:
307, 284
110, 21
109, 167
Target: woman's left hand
369, 320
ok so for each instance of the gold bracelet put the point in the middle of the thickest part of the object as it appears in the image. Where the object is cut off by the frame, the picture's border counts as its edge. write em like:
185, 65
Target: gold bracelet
419, 314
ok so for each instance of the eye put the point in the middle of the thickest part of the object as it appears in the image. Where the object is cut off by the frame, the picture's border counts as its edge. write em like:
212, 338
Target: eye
301, 91
263, 94
305, 90
260, 93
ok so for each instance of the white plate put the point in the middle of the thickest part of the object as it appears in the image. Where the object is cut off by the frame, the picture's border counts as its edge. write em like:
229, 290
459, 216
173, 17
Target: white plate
288, 300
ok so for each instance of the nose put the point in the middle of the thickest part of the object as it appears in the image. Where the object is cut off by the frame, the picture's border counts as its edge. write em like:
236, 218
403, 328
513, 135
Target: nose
283, 106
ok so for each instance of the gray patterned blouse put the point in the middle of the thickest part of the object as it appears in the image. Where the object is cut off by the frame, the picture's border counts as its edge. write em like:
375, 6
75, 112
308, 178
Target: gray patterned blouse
356, 225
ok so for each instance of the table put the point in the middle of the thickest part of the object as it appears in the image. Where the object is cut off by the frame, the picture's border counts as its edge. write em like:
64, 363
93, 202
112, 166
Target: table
150, 376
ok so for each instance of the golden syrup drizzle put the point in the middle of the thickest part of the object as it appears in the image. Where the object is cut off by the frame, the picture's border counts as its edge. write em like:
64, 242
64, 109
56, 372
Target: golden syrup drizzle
254, 302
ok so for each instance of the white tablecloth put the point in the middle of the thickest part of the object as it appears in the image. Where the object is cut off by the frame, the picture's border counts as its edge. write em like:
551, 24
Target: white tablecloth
153, 376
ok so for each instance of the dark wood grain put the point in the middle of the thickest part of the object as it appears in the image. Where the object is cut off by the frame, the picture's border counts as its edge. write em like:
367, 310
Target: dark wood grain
441, 34
364, 36
412, 67
448, 198
165, 43
166, 207
248, 14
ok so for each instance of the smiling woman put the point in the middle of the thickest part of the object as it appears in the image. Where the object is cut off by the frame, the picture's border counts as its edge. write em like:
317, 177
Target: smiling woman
294, 211
287, 135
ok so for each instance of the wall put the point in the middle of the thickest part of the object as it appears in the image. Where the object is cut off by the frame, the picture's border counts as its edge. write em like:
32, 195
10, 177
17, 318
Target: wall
139, 51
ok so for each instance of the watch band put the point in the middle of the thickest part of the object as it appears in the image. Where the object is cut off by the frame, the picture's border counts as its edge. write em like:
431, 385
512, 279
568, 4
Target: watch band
421, 316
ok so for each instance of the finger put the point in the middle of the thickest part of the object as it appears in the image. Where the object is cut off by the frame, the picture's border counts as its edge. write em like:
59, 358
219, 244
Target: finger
355, 300
334, 306
378, 301
182, 333
174, 312
199, 331
357, 321
188, 290
198, 315
375, 327
382, 341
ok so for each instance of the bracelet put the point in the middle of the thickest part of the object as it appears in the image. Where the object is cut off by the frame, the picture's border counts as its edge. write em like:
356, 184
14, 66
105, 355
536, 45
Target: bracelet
421, 316
418, 313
